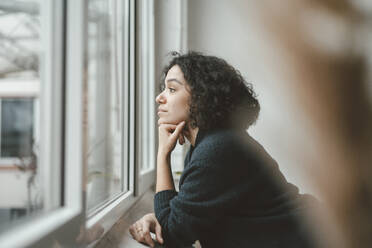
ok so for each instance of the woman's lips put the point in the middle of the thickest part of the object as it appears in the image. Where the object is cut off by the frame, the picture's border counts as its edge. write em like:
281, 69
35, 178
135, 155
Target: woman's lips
161, 111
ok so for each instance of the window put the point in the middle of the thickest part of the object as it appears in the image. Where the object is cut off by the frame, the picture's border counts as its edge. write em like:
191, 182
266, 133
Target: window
103, 104
109, 116
34, 202
69, 118
146, 90
147, 83
21, 193
17, 122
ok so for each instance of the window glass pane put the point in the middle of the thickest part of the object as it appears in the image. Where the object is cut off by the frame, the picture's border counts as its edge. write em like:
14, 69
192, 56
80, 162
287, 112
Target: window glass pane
103, 105
146, 78
20, 184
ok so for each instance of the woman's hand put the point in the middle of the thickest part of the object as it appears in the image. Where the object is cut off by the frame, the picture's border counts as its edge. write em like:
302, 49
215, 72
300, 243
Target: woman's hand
168, 136
140, 230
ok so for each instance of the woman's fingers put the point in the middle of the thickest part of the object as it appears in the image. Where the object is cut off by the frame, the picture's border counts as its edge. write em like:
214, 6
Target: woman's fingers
141, 233
147, 238
133, 232
159, 238
169, 127
181, 139
178, 130
168, 136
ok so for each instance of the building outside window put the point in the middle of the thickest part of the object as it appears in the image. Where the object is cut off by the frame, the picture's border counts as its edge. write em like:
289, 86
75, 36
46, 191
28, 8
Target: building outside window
20, 31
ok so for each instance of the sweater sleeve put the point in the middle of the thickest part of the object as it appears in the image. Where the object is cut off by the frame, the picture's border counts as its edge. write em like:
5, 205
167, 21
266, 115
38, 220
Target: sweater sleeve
195, 210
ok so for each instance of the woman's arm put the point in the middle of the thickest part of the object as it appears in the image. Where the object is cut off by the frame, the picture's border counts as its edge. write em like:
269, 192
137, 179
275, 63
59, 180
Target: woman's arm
168, 136
196, 209
164, 178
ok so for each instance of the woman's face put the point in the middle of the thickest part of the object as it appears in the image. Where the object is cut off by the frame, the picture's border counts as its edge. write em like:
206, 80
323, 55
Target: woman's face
174, 99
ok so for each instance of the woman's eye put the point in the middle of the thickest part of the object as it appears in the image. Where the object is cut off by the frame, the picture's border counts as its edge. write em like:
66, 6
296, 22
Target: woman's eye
171, 90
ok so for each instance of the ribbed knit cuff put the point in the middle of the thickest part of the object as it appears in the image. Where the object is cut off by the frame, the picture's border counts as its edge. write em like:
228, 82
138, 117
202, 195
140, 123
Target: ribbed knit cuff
161, 200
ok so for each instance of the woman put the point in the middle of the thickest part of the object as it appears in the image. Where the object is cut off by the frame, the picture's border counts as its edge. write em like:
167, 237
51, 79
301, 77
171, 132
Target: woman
231, 192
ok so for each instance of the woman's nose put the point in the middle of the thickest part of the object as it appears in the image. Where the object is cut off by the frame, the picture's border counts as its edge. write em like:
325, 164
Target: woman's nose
160, 98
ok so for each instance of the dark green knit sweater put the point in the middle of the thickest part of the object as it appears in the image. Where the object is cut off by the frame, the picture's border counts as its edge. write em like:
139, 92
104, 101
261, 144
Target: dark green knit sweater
231, 194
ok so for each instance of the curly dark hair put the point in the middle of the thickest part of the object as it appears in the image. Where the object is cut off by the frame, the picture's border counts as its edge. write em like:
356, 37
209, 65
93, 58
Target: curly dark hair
220, 96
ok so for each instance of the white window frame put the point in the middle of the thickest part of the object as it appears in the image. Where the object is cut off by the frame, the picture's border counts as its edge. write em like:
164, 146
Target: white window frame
146, 90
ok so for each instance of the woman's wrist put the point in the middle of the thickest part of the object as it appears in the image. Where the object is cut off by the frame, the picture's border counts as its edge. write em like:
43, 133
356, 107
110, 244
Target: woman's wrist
163, 160
164, 178
163, 154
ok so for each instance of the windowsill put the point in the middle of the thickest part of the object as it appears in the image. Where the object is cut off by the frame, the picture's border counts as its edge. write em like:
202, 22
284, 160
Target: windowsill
119, 235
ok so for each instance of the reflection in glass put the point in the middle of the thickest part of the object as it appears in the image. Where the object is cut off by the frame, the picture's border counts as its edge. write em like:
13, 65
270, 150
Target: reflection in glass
102, 105
20, 191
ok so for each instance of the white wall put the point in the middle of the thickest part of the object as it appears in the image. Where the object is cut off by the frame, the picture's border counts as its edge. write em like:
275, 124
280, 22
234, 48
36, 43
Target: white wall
231, 30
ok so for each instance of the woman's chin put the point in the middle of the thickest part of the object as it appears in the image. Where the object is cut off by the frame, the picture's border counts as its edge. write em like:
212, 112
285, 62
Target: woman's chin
167, 121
